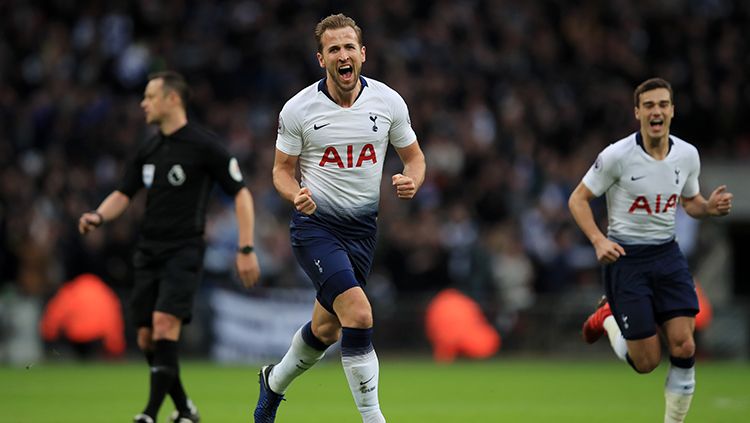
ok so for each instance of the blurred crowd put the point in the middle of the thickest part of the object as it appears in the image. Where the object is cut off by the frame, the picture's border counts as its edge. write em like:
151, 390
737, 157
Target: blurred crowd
511, 102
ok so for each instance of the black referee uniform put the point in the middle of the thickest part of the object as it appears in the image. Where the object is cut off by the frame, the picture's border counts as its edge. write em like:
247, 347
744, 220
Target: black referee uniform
178, 172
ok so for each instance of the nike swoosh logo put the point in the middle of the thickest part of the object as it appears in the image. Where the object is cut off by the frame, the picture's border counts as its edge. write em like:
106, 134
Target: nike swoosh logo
316, 126
365, 382
635, 178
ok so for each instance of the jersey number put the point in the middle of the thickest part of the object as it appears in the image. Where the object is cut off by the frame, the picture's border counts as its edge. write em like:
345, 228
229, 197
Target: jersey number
331, 155
642, 203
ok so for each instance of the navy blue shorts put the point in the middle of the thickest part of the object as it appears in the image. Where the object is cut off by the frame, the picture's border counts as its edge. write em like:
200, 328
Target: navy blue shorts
648, 286
322, 255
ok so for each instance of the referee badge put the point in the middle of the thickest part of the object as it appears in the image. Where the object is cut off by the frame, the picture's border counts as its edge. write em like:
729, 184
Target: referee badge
176, 175
147, 172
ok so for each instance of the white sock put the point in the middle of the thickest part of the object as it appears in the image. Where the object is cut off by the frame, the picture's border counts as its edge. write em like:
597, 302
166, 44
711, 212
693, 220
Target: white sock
678, 393
619, 344
296, 361
362, 374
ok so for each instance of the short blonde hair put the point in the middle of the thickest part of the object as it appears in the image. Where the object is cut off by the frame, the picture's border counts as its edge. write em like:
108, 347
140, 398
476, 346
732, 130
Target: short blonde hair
335, 22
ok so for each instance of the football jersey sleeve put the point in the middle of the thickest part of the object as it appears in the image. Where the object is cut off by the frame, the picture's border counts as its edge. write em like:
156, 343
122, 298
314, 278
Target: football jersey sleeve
289, 138
401, 133
603, 173
692, 187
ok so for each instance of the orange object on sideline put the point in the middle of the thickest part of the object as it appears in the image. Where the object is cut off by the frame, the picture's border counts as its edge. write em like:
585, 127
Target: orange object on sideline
85, 310
457, 327
705, 313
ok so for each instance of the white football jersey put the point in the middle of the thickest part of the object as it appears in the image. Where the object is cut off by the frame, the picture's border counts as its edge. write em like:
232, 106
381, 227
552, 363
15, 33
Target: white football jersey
643, 193
341, 150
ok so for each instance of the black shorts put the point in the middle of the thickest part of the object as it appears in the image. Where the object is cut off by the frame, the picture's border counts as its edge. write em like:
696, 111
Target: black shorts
167, 275
648, 286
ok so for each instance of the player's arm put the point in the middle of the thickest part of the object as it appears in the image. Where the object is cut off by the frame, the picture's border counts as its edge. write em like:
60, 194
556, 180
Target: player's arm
247, 263
719, 203
285, 182
407, 183
111, 208
607, 251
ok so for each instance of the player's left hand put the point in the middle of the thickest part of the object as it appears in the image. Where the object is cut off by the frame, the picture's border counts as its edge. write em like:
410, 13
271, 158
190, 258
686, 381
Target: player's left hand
248, 269
720, 201
405, 187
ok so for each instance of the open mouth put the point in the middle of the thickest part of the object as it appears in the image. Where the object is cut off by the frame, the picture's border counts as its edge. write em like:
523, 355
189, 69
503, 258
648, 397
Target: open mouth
656, 124
346, 71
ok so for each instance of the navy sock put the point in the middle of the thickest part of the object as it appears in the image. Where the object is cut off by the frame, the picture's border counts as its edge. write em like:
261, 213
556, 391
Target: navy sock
683, 363
310, 339
356, 341
164, 371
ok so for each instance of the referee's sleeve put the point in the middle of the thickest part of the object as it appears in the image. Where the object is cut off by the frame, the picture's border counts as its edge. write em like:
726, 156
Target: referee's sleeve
132, 181
225, 169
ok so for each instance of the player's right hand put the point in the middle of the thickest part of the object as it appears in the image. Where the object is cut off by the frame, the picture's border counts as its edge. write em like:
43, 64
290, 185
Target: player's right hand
304, 203
88, 222
607, 251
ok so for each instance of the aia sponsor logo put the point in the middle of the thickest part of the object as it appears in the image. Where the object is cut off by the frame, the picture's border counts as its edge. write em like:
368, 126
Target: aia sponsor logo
332, 156
659, 205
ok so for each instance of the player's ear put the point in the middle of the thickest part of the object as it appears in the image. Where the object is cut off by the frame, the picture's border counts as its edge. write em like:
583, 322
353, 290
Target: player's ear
636, 109
320, 59
364, 56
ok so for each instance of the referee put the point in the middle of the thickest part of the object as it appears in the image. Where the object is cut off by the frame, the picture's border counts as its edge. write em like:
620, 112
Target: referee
177, 166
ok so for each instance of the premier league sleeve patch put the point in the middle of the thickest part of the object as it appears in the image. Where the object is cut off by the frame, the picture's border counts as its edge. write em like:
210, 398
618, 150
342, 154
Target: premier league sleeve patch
147, 173
234, 170
598, 164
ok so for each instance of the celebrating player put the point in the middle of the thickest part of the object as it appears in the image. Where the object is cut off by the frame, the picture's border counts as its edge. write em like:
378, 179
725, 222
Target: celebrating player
337, 130
646, 277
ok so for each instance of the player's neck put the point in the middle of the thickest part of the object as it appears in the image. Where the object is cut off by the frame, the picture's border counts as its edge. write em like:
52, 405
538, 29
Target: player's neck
173, 123
658, 148
343, 98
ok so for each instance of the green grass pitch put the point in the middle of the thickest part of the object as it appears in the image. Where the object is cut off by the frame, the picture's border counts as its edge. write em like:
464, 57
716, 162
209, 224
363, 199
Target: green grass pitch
411, 391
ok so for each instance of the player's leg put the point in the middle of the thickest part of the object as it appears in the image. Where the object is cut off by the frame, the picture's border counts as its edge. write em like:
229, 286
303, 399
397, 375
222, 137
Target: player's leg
676, 304
308, 346
358, 356
680, 384
626, 316
320, 255
642, 354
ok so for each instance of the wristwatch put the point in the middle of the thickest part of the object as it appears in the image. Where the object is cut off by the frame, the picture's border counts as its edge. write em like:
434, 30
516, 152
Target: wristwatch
245, 249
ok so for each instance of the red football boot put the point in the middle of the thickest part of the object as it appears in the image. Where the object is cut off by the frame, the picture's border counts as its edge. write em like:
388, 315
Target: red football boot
593, 327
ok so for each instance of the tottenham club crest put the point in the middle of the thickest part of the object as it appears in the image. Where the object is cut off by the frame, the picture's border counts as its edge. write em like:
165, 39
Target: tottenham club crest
374, 120
176, 175
147, 173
